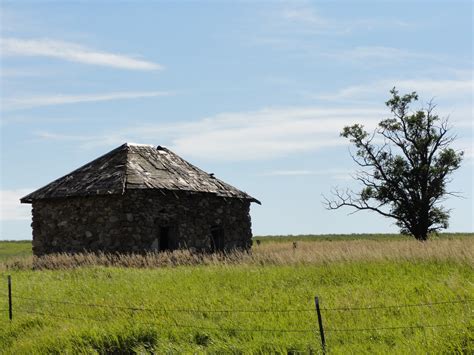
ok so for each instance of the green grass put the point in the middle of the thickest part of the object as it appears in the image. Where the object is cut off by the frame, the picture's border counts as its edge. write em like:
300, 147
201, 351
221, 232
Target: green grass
9, 249
355, 236
13, 249
170, 292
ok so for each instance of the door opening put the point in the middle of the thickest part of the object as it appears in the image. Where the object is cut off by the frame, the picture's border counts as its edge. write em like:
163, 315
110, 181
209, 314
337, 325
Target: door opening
164, 238
217, 239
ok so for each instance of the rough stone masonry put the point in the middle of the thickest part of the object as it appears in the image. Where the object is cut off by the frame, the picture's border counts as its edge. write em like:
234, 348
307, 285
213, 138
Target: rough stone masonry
174, 206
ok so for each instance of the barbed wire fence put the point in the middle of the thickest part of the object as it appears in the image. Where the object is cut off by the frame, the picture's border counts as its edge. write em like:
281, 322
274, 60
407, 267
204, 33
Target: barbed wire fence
319, 330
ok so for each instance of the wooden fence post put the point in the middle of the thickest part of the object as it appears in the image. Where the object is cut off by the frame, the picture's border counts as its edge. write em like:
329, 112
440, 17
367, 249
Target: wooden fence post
320, 324
10, 310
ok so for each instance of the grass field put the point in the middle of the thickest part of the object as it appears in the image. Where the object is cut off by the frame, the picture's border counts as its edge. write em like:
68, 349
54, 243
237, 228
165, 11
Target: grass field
366, 236
14, 249
258, 303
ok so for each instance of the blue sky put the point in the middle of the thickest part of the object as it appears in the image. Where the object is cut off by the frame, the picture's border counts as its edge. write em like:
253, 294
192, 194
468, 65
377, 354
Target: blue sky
256, 92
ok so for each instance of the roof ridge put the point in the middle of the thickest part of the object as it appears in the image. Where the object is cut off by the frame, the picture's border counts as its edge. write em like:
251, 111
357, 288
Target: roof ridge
133, 167
131, 144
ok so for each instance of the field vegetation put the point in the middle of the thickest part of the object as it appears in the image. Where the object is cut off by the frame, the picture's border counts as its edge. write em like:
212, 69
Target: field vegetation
388, 295
14, 249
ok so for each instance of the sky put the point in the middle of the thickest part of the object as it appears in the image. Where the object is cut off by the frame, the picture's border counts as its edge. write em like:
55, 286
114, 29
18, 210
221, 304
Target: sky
255, 92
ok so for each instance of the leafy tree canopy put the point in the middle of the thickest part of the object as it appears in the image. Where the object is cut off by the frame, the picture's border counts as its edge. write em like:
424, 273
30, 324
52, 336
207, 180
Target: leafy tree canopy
405, 166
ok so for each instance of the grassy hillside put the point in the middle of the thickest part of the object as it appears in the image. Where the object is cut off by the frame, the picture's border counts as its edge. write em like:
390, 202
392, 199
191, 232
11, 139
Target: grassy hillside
258, 303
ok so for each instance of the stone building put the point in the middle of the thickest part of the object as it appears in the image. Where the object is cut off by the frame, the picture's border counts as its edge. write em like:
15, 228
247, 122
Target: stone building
139, 198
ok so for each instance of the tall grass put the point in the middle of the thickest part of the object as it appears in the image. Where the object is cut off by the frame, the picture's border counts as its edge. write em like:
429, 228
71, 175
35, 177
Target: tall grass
180, 293
354, 236
284, 253
40, 327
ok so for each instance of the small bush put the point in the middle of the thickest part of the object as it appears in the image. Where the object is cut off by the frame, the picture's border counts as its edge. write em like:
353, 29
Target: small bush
202, 339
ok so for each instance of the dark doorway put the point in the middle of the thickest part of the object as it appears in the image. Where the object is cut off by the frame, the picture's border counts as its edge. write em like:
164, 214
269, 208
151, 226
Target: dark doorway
164, 238
217, 239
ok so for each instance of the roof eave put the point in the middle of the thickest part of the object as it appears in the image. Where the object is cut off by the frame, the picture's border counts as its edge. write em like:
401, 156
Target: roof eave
29, 199
256, 201
26, 199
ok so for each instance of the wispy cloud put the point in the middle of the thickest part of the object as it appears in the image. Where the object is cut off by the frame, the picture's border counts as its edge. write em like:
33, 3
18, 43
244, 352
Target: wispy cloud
466, 145
62, 137
469, 155
375, 55
338, 174
289, 173
305, 15
296, 28
444, 88
305, 19
455, 95
10, 206
381, 53
308, 16
73, 52
252, 135
50, 100
277, 131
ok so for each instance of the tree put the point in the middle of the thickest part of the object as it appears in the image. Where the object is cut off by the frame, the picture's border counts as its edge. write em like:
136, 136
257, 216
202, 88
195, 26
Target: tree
405, 167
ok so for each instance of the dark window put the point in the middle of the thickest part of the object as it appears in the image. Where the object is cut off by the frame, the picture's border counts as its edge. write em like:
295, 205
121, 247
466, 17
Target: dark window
217, 239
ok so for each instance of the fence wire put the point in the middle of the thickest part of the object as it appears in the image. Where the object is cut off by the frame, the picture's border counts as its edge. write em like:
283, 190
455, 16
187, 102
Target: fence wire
268, 310
397, 306
59, 315
163, 310
348, 330
273, 330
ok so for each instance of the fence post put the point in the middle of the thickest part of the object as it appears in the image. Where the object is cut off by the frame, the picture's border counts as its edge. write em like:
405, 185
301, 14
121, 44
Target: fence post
10, 310
320, 323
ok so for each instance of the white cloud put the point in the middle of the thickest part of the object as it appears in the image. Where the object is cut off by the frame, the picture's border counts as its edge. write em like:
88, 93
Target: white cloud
275, 132
263, 133
306, 19
289, 173
297, 27
381, 53
444, 88
469, 153
72, 52
375, 55
465, 144
338, 174
252, 135
10, 206
305, 15
50, 100
453, 96
62, 137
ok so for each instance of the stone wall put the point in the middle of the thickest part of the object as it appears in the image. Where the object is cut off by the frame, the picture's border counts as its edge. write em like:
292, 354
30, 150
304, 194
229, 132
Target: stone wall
133, 222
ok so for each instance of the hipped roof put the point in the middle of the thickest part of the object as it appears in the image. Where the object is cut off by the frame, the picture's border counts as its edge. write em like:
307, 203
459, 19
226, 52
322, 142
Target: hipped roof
136, 167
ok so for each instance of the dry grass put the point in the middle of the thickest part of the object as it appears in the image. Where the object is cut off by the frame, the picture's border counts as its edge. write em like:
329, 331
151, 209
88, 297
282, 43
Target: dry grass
306, 253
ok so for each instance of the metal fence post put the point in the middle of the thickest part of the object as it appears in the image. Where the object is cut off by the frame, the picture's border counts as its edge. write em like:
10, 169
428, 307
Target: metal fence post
320, 323
10, 310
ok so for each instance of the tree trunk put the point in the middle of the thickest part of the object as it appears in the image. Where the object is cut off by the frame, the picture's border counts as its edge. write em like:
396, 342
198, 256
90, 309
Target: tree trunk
423, 237
420, 233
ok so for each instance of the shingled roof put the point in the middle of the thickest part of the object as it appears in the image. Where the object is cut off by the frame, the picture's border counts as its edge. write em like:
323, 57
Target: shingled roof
136, 166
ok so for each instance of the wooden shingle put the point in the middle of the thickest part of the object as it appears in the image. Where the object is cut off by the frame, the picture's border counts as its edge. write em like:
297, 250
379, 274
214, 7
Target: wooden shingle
133, 166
